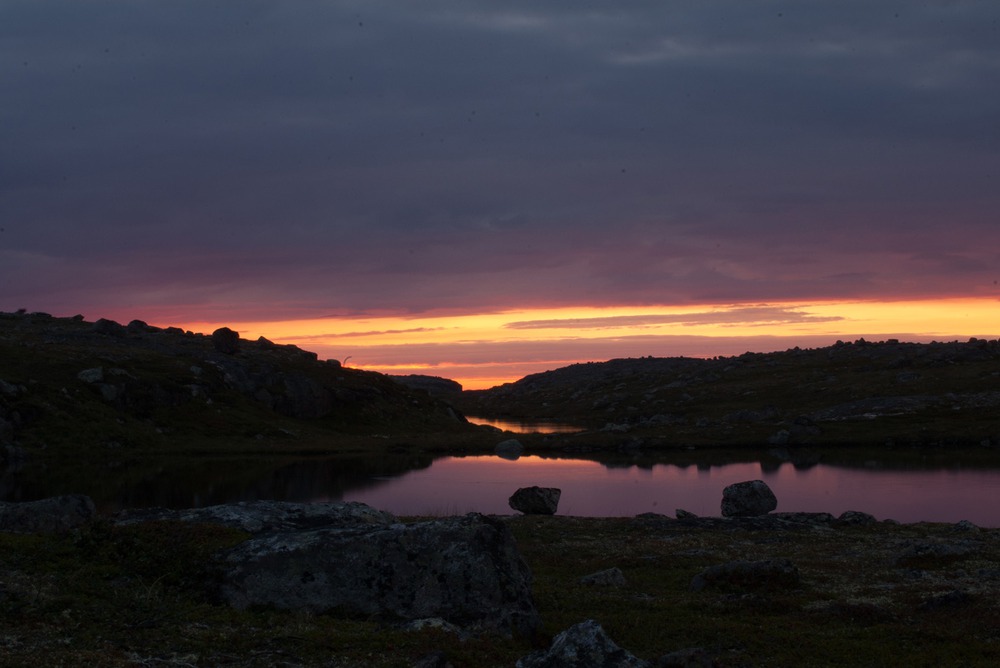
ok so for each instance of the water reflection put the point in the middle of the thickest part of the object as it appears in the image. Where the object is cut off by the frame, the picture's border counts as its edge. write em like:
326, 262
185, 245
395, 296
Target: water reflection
527, 426
622, 486
483, 484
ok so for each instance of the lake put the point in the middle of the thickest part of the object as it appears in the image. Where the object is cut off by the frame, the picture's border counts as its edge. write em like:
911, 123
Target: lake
483, 484
419, 484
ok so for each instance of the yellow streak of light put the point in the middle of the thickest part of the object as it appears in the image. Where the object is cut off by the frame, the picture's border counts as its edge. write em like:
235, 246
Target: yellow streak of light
942, 319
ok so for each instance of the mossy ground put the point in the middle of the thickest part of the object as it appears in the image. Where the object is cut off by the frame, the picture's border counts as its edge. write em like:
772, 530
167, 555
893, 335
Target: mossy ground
138, 595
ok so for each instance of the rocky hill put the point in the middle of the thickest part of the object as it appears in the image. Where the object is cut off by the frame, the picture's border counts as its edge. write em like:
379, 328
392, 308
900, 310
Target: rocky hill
72, 386
849, 393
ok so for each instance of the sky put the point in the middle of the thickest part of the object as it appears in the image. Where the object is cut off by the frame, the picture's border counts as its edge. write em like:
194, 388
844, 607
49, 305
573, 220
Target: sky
481, 189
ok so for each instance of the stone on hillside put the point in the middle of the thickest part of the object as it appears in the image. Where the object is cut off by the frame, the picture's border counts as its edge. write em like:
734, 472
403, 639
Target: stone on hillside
682, 514
536, 500
750, 575
53, 515
95, 375
612, 577
226, 341
108, 327
260, 516
748, 499
856, 517
585, 645
510, 449
466, 570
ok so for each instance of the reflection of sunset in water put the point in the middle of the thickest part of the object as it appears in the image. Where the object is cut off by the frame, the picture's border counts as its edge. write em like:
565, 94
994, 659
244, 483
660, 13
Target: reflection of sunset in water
483, 484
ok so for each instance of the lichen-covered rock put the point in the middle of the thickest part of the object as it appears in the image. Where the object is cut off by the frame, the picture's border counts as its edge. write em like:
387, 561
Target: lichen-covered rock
536, 500
53, 515
260, 516
585, 645
748, 499
466, 570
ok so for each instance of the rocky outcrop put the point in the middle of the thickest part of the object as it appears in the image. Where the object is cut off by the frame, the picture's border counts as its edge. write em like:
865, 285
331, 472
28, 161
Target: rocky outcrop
267, 516
465, 570
53, 515
748, 499
535, 500
585, 645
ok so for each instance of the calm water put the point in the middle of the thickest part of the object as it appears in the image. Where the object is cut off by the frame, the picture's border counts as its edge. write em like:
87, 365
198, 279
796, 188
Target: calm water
483, 484
419, 485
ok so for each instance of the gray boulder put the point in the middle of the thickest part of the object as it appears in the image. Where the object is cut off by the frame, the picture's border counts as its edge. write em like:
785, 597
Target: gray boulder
584, 645
465, 570
226, 341
57, 514
535, 500
748, 499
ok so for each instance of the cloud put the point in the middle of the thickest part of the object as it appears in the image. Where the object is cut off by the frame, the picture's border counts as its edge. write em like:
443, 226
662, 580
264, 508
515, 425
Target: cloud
743, 315
255, 157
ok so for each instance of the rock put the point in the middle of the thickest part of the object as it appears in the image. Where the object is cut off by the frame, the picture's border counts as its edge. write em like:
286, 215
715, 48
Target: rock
584, 645
260, 516
9, 389
682, 514
95, 375
226, 341
510, 449
612, 577
465, 570
752, 575
965, 526
140, 327
53, 515
108, 328
748, 499
856, 517
536, 500
692, 657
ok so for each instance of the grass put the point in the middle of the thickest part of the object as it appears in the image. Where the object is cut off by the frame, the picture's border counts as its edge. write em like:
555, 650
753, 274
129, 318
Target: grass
140, 595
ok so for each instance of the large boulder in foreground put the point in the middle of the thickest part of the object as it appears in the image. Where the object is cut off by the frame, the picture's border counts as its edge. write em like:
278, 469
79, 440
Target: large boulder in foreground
536, 500
748, 499
465, 570
53, 515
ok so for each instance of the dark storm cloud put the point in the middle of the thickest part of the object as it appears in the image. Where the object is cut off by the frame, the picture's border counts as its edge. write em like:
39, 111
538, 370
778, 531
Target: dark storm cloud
357, 156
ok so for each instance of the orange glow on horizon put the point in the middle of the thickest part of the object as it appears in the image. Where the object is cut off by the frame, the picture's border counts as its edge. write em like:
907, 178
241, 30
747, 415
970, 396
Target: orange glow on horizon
481, 350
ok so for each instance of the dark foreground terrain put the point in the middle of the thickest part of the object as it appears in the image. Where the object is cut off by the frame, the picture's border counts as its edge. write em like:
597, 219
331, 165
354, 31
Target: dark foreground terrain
844, 594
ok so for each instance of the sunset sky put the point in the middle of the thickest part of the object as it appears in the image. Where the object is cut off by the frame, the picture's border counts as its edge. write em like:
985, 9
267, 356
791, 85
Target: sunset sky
481, 190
